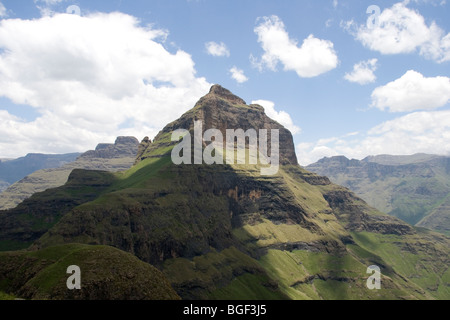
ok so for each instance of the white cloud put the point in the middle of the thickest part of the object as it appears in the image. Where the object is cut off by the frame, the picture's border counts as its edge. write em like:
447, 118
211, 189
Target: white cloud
281, 117
363, 72
412, 92
89, 77
2, 10
217, 49
419, 132
238, 75
312, 58
403, 30
335, 3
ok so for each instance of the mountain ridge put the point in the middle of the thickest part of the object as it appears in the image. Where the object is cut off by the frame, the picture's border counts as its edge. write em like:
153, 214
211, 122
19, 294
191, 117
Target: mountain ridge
13, 170
409, 187
106, 156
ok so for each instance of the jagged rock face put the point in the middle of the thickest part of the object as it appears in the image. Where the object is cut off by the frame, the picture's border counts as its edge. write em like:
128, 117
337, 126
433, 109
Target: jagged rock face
222, 110
123, 147
145, 143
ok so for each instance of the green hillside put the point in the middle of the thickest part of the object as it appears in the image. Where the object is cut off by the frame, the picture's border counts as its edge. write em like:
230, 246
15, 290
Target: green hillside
106, 274
439, 218
228, 232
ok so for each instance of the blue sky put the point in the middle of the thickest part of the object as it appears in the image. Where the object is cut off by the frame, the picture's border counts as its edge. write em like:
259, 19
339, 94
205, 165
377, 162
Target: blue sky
340, 80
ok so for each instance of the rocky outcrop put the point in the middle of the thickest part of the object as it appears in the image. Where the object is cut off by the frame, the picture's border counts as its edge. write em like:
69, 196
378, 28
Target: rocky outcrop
122, 148
222, 110
145, 143
355, 213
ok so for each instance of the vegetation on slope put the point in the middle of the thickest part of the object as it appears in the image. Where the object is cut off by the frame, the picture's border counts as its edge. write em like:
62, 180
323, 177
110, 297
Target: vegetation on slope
106, 273
407, 187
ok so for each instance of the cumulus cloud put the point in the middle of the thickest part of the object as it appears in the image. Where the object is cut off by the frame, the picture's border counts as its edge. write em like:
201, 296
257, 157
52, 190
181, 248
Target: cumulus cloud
91, 78
238, 75
403, 30
418, 132
412, 92
217, 49
314, 57
363, 72
282, 117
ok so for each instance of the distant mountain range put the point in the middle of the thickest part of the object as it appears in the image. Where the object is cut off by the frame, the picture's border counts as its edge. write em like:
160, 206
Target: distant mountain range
108, 157
413, 188
12, 170
219, 231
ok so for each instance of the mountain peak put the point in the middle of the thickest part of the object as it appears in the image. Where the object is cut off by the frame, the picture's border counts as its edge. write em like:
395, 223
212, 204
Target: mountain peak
221, 92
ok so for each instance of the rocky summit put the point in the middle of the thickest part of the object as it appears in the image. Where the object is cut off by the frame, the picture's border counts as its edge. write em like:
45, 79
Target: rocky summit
222, 110
224, 231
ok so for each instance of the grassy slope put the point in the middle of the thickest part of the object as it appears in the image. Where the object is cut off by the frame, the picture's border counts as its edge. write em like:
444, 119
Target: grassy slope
439, 218
32, 218
106, 273
418, 258
278, 273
